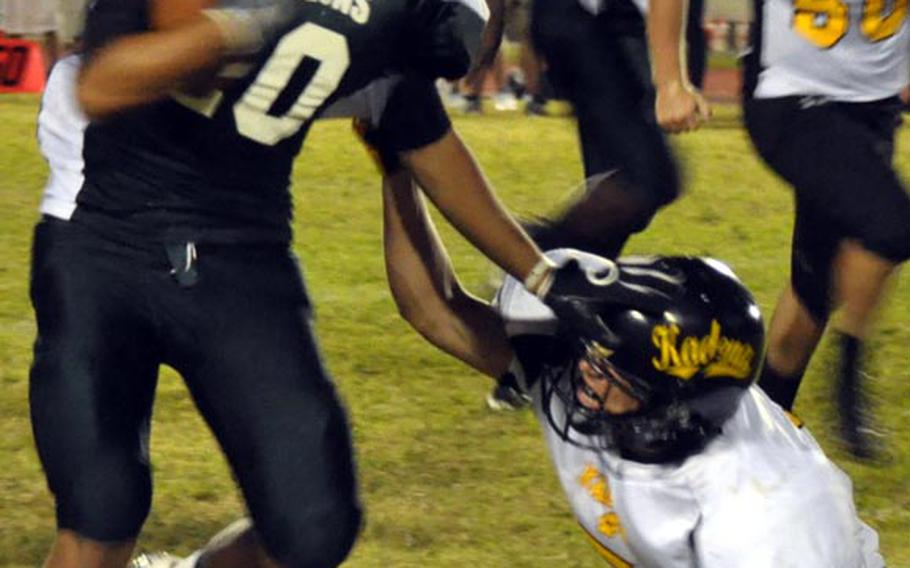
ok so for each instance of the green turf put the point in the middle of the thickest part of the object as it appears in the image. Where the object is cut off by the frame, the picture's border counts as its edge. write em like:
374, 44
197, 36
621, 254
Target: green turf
446, 482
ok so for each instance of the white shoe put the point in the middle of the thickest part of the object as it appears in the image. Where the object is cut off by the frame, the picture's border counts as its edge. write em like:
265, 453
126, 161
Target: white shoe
505, 101
155, 560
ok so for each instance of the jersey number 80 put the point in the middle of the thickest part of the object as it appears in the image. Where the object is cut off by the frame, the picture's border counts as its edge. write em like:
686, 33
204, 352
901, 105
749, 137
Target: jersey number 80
825, 22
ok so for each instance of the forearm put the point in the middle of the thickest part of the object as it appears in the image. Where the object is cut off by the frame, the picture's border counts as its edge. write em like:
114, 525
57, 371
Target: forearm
451, 178
122, 75
665, 36
426, 290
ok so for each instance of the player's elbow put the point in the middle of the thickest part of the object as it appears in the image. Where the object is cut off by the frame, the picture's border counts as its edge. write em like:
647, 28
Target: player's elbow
432, 315
102, 92
95, 103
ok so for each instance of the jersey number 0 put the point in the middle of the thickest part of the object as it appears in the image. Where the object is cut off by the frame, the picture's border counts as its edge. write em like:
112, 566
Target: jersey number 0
251, 111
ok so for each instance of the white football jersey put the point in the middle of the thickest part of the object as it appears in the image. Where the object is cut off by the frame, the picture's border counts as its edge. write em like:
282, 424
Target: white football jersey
61, 132
844, 50
762, 494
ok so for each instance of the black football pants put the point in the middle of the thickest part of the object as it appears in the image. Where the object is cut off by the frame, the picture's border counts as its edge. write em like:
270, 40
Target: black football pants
600, 64
109, 314
837, 156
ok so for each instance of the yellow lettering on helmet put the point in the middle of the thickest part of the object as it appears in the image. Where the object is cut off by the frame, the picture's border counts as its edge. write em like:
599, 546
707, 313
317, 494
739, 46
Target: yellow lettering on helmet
714, 354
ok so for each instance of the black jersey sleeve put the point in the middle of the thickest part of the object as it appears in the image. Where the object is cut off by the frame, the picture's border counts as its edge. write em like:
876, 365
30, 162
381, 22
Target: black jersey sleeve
413, 117
107, 20
446, 36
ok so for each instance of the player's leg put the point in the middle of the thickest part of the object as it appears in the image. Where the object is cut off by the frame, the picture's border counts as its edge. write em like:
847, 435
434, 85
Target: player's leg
861, 280
875, 222
802, 310
91, 389
236, 546
244, 344
859, 297
600, 63
848, 185
473, 90
793, 335
872, 207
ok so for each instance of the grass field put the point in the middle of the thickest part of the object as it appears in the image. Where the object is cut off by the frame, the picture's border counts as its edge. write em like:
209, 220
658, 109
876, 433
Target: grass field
446, 482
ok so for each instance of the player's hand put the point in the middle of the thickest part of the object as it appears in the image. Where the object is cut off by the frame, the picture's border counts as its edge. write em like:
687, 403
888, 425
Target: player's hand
578, 296
249, 25
680, 107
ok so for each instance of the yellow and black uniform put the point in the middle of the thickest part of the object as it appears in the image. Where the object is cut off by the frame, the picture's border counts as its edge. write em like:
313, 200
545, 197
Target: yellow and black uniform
822, 110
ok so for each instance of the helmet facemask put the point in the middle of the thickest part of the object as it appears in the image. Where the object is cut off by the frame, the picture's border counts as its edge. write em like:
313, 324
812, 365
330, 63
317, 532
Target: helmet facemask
589, 416
657, 430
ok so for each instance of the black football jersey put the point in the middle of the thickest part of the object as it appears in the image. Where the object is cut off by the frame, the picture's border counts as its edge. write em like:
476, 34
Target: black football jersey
217, 168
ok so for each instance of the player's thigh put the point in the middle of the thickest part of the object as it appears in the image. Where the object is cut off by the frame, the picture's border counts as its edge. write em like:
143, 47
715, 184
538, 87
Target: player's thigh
254, 369
92, 382
838, 165
805, 520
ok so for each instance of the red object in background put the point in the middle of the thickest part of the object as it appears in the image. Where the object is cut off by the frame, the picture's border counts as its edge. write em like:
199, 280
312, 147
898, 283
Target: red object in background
22, 68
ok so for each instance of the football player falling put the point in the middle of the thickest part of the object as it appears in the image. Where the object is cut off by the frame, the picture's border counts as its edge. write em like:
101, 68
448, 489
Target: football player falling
669, 455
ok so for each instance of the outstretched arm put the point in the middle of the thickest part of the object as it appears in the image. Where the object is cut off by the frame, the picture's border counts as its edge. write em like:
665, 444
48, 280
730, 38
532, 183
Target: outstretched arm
453, 181
425, 288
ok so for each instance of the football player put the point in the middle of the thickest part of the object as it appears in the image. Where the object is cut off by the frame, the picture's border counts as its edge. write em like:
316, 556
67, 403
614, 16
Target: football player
822, 107
597, 56
668, 453
176, 251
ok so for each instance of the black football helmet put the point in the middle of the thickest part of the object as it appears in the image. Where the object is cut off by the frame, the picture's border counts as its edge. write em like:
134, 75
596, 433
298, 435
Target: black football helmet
687, 367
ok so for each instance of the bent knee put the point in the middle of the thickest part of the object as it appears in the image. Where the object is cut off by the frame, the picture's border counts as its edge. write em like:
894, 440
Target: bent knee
106, 503
312, 539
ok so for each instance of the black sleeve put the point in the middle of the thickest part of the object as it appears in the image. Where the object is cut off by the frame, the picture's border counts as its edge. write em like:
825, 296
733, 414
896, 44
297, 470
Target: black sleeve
446, 36
413, 117
107, 20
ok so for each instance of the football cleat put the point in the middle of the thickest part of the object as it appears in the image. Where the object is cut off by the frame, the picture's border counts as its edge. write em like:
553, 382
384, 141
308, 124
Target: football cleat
855, 419
507, 395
